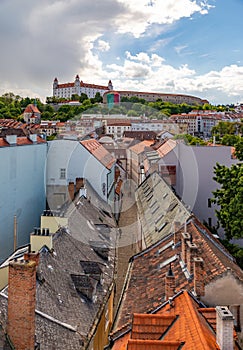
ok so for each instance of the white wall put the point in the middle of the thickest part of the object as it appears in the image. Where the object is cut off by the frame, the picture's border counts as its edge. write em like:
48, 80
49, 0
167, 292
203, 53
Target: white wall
194, 175
78, 162
22, 192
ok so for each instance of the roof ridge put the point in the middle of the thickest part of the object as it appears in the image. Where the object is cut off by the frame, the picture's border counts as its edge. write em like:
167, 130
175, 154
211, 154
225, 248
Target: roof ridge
195, 318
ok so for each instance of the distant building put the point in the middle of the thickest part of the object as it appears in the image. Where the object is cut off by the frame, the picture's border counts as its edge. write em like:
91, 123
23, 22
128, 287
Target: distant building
78, 87
154, 96
31, 114
199, 122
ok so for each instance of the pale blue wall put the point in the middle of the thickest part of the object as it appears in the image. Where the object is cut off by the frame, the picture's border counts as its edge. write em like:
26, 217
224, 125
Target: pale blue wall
22, 192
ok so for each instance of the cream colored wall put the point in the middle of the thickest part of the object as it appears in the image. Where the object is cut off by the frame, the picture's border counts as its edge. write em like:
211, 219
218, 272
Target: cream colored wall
3, 277
53, 223
37, 242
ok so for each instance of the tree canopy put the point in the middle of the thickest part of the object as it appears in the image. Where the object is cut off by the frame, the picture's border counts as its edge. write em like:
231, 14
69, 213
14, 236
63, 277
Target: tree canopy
229, 196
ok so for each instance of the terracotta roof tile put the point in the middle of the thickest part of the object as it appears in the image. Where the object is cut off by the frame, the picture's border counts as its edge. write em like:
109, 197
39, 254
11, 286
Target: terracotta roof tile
31, 109
134, 344
23, 141
187, 325
99, 152
140, 147
145, 280
166, 147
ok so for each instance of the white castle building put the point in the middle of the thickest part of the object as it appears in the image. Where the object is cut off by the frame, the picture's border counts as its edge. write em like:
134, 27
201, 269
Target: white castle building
78, 87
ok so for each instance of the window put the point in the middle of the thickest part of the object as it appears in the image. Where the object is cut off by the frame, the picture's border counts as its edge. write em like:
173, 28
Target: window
62, 173
209, 203
210, 222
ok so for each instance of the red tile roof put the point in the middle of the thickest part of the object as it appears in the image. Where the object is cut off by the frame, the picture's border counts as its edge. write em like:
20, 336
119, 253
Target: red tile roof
21, 141
145, 280
140, 147
178, 323
99, 152
166, 147
31, 109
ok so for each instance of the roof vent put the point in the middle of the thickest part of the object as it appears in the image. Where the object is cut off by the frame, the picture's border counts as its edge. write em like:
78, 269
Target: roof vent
85, 285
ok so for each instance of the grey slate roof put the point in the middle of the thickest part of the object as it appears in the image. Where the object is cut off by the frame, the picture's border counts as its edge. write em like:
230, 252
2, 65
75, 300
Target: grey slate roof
158, 209
65, 312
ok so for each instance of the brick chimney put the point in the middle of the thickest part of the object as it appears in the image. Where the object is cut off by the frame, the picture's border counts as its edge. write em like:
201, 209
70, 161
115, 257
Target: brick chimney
185, 237
79, 183
21, 304
190, 255
71, 191
169, 284
224, 328
198, 271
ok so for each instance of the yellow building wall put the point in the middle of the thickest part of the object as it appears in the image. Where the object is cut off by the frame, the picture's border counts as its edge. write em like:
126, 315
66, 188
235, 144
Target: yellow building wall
3, 277
53, 223
103, 329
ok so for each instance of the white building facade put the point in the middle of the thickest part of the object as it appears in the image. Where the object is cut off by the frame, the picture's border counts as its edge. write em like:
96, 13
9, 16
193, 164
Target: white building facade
68, 160
78, 87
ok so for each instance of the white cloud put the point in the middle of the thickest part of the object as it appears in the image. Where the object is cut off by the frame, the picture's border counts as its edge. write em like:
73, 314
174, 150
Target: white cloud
103, 45
140, 14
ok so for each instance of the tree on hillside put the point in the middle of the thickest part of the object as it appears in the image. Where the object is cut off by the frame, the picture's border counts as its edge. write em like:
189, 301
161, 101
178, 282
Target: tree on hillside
229, 196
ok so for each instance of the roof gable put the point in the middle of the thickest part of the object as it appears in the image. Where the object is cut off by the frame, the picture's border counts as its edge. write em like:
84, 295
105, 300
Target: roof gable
99, 152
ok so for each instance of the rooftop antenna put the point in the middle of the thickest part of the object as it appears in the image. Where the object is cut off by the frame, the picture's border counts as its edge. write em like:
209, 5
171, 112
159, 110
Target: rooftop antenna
15, 232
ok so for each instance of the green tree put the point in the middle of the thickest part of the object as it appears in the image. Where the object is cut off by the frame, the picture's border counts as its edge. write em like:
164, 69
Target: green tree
229, 196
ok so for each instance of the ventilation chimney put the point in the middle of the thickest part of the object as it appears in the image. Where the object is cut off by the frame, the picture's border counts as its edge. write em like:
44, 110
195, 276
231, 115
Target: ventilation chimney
191, 254
11, 140
21, 304
169, 284
198, 271
185, 237
33, 138
85, 285
224, 328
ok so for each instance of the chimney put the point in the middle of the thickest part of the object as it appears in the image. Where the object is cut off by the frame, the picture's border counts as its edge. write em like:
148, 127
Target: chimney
191, 252
33, 138
169, 284
199, 286
185, 237
11, 139
176, 228
21, 304
79, 183
71, 191
32, 257
224, 328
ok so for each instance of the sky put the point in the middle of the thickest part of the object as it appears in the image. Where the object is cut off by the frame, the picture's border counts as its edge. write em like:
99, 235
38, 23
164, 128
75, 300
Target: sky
172, 46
